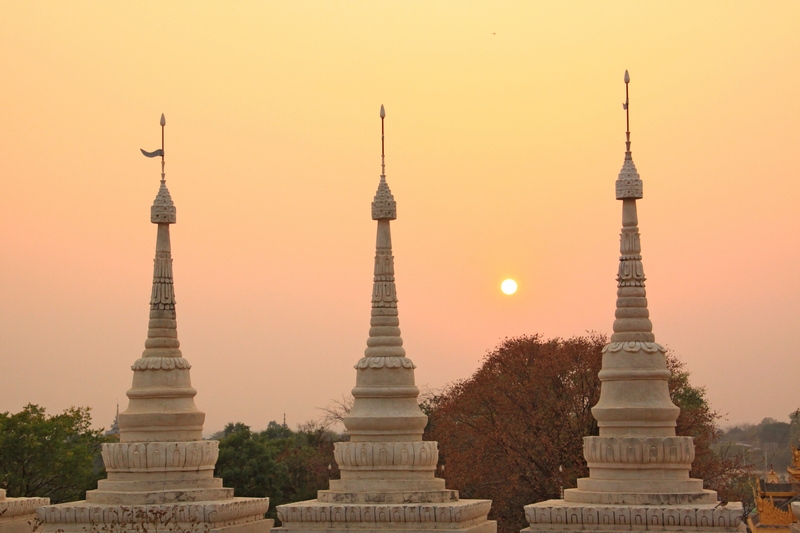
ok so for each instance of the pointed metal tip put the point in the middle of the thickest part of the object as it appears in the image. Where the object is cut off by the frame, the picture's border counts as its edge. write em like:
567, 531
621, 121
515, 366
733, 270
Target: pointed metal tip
627, 77
383, 112
163, 120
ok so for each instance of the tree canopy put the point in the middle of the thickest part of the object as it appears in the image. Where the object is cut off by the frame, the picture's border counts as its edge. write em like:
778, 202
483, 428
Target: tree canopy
50, 456
513, 432
285, 465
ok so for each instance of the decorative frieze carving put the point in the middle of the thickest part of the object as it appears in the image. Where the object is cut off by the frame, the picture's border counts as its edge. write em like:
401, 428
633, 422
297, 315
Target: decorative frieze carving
388, 362
15, 507
628, 516
160, 456
630, 245
386, 455
638, 450
384, 293
633, 347
161, 363
450, 513
163, 294
235, 510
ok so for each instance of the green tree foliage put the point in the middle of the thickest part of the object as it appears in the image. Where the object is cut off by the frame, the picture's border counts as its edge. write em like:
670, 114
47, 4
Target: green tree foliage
50, 456
285, 465
513, 432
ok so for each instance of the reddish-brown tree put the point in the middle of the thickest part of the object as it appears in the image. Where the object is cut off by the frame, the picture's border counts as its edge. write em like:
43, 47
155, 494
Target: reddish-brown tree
513, 432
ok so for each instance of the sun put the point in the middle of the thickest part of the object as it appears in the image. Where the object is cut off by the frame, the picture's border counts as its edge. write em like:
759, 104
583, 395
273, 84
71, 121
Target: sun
508, 286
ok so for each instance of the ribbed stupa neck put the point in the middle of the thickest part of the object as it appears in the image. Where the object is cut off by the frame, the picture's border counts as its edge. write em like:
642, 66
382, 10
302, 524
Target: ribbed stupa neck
162, 335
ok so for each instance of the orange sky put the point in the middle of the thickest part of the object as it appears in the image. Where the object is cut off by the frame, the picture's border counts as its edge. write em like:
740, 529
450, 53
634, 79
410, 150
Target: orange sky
505, 135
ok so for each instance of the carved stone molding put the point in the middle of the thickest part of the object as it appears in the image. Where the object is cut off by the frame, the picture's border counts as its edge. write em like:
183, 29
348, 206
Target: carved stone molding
161, 363
381, 362
15, 507
384, 294
639, 450
578, 517
163, 294
633, 347
450, 513
160, 456
235, 510
386, 455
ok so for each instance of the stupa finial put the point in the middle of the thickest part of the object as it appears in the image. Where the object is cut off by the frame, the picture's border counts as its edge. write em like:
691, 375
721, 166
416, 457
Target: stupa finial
629, 185
626, 106
383, 154
163, 210
383, 206
160, 152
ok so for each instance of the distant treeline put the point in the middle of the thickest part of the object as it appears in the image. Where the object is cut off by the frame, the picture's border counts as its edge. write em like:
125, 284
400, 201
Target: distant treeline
769, 442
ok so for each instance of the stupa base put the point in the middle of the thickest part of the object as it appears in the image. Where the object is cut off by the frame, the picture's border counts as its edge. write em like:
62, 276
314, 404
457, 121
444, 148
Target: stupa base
560, 516
315, 516
335, 497
646, 499
17, 514
236, 515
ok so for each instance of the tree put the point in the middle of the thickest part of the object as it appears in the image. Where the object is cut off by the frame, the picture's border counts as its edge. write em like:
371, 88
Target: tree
285, 465
50, 456
504, 432
513, 432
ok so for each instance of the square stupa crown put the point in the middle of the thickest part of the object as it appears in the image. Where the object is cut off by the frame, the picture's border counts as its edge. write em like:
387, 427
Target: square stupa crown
163, 210
629, 184
383, 206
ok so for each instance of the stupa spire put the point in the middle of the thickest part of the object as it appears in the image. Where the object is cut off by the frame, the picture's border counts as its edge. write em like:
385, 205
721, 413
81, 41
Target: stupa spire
633, 330
385, 408
632, 317
161, 402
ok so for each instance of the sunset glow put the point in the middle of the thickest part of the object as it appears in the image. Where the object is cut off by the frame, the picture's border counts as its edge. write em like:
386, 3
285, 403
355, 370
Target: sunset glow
504, 135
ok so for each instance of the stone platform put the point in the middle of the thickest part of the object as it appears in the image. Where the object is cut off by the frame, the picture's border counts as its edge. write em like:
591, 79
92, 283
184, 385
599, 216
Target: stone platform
558, 515
236, 515
461, 515
17, 514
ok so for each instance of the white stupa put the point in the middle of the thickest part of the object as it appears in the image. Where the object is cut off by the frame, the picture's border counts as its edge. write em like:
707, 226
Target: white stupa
638, 468
161, 472
388, 478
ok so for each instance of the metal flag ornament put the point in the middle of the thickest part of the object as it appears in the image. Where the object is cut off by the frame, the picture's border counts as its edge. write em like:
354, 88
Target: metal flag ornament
160, 151
156, 153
